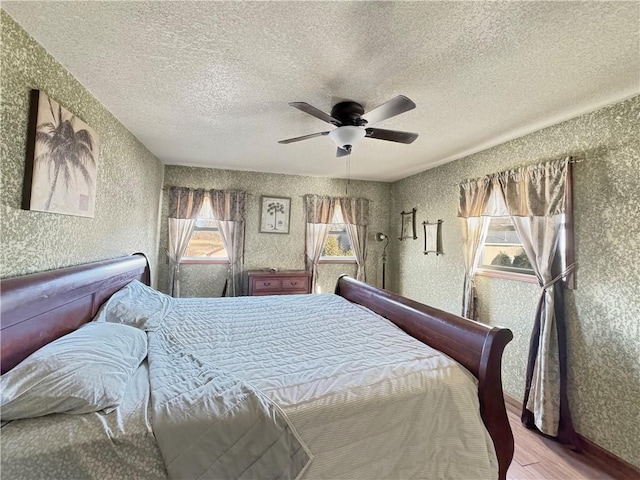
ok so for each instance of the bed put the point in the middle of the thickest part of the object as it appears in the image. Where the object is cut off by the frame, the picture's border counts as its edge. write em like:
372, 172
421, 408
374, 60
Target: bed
39, 308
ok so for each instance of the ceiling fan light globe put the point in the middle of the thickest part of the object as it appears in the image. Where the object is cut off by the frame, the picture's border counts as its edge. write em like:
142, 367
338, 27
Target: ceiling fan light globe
347, 136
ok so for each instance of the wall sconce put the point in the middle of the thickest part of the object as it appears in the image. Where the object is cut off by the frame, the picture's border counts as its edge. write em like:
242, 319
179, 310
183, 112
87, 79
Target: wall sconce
382, 237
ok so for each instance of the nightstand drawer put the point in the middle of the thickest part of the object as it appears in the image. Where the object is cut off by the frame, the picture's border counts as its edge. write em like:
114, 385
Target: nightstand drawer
267, 284
286, 282
301, 283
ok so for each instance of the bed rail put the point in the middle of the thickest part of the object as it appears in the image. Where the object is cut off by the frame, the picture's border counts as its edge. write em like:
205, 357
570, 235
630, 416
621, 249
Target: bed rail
474, 345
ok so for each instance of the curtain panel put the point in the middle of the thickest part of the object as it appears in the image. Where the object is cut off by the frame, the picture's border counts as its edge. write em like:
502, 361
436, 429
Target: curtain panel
355, 212
184, 206
477, 203
179, 232
474, 232
229, 210
319, 215
535, 197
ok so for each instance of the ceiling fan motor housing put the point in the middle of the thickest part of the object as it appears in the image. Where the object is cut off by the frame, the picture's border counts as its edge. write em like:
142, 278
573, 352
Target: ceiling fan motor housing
349, 113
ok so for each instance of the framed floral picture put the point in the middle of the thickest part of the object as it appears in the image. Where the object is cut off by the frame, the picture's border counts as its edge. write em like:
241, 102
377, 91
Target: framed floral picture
275, 213
62, 160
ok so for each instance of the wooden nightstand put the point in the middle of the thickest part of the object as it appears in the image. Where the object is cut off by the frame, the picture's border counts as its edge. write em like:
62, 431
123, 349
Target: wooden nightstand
285, 282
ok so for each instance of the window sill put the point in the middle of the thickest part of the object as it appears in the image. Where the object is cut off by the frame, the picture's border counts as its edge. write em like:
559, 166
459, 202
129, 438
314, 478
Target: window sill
515, 276
207, 261
337, 260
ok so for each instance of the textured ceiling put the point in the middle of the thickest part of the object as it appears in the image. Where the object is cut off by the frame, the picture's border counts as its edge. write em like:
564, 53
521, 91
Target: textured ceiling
207, 83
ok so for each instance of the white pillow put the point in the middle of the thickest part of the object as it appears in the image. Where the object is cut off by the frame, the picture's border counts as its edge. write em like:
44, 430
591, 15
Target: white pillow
84, 371
136, 305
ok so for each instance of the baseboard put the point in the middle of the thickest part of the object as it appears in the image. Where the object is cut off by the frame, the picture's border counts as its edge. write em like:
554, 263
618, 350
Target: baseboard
509, 400
623, 469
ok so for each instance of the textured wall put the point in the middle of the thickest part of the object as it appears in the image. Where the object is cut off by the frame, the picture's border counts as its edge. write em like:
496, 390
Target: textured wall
603, 313
284, 251
129, 177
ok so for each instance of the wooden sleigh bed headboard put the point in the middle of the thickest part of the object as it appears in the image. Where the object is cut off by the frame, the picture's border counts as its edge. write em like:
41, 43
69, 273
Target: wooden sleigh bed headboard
38, 308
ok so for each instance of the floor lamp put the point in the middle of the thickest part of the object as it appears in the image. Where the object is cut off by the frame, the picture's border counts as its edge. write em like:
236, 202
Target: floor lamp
380, 237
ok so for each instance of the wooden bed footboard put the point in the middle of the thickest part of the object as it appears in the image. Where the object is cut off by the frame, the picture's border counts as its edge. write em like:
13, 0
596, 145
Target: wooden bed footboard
474, 345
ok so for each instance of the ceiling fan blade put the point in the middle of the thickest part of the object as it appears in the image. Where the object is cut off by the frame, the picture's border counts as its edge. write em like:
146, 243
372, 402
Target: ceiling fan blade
311, 110
304, 137
342, 152
391, 135
393, 107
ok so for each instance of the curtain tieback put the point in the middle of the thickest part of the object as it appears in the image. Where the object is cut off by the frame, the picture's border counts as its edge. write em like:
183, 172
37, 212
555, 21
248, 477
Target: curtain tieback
566, 272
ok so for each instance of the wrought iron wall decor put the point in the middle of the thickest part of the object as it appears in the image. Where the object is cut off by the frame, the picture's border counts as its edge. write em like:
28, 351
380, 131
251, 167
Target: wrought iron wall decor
408, 226
433, 237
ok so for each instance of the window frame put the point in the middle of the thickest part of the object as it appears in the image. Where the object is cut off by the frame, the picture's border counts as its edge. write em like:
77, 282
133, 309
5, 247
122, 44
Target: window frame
187, 260
509, 273
335, 259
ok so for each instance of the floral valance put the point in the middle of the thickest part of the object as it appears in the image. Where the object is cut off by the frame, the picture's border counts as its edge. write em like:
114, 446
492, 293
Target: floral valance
532, 191
224, 205
355, 211
228, 205
320, 209
185, 203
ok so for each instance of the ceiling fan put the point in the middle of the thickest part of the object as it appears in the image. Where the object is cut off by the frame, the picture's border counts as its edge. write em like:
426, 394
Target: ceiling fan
351, 123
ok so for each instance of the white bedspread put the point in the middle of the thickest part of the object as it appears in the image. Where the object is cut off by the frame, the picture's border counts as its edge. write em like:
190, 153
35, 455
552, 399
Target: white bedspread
369, 401
212, 425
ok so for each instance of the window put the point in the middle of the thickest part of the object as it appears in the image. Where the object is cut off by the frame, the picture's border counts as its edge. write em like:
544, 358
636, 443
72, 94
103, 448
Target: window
337, 246
205, 244
503, 254
503, 250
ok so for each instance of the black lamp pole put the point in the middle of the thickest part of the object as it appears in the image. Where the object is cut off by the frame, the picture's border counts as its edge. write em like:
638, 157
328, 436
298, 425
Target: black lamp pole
380, 237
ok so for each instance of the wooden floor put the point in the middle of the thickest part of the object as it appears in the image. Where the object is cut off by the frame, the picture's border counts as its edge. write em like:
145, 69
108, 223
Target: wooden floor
538, 458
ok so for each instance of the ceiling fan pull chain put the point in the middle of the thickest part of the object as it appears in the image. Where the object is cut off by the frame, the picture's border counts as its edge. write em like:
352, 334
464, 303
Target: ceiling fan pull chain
346, 191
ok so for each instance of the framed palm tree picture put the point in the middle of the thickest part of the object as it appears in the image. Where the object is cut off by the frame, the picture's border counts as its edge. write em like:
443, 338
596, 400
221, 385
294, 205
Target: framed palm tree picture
274, 214
62, 160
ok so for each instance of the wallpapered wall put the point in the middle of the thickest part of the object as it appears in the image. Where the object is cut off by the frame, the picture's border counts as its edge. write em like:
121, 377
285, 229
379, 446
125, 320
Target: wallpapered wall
265, 250
603, 313
129, 176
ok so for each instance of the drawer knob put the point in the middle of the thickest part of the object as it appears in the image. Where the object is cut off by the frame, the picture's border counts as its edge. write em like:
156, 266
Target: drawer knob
294, 283
266, 284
